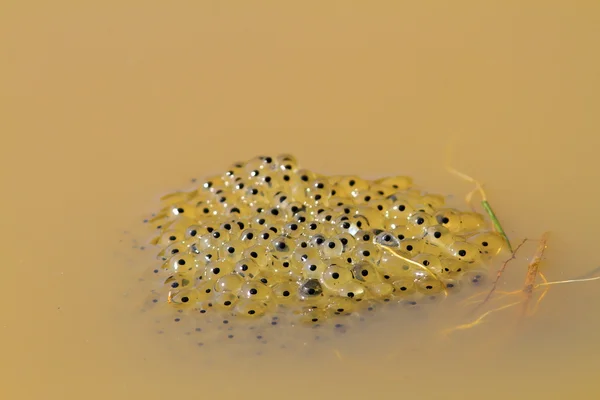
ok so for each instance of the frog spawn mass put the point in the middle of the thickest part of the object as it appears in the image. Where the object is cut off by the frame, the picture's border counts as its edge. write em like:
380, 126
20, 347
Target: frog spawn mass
269, 240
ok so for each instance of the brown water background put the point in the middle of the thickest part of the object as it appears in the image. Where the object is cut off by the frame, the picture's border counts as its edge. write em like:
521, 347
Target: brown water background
105, 106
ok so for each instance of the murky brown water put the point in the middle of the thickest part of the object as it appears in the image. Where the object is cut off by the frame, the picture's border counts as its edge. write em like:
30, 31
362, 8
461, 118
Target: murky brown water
105, 108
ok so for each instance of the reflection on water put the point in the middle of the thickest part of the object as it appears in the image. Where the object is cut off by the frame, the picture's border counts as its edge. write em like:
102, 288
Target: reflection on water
105, 109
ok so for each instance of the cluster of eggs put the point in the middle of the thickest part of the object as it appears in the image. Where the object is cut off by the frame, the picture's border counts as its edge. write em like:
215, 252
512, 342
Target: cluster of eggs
269, 238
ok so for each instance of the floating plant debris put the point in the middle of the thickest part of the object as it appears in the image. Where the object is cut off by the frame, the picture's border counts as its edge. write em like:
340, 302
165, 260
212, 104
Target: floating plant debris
270, 241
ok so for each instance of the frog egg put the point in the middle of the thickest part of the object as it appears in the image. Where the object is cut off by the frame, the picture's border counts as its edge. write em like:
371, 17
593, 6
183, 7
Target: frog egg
249, 308
428, 284
229, 283
429, 261
449, 218
421, 220
285, 292
265, 237
181, 263
206, 256
313, 267
367, 252
364, 236
464, 251
263, 221
179, 281
233, 250
169, 237
316, 241
258, 253
365, 272
186, 298
471, 222
306, 176
364, 197
281, 247
216, 269
174, 248
233, 226
411, 247
310, 287
360, 221
286, 268
302, 254
381, 290
192, 232
476, 277
335, 276
373, 217
341, 306
255, 291
435, 201
399, 209
205, 210
440, 236
381, 205
182, 209
325, 216
287, 163
387, 239
225, 301
404, 287
396, 182
249, 236
237, 210
345, 225
205, 291
348, 242
350, 185
353, 290
310, 316
452, 268
490, 243
331, 248
247, 268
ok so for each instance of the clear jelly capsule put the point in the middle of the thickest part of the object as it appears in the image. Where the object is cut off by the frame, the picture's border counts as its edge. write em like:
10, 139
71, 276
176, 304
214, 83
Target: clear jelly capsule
404, 287
471, 222
373, 217
229, 283
169, 237
249, 236
285, 291
331, 248
287, 163
257, 253
232, 250
387, 239
246, 268
179, 281
490, 243
349, 185
400, 209
172, 250
341, 306
396, 182
353, 290
216, 269
249, 308
440, 236
348, 242
365, 272
183, 298
381, 290
282, 247
313, 267
255, 291
181, 263
335, 276
225, 301
310, 288
429, 285
449, 218
464, 251
429, 261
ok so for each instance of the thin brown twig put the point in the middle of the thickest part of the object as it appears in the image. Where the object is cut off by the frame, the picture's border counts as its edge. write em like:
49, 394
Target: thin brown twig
499, 275
533, 271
